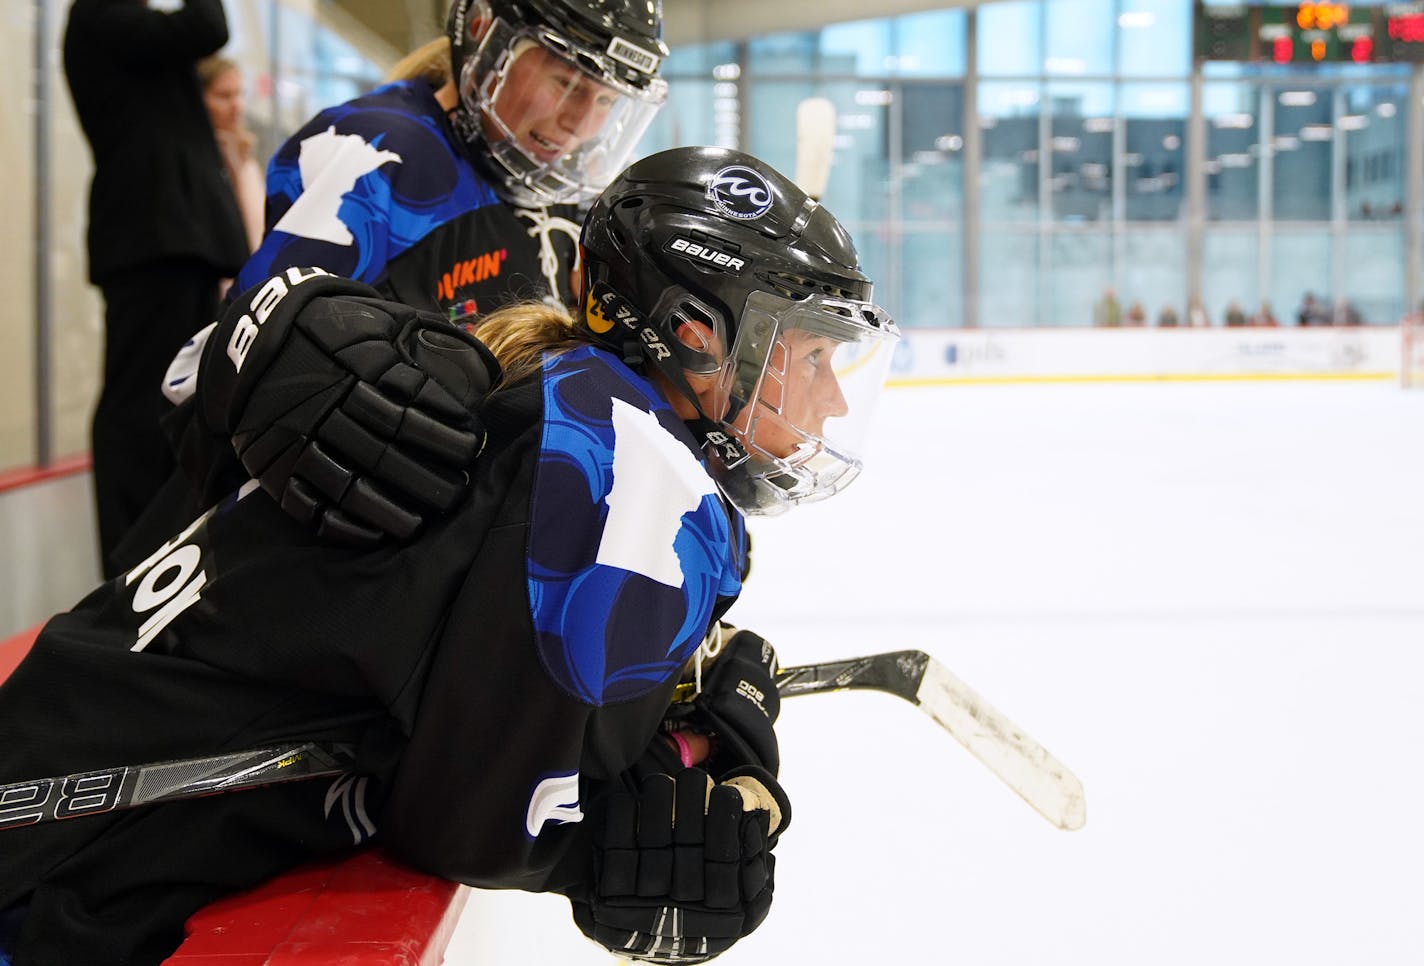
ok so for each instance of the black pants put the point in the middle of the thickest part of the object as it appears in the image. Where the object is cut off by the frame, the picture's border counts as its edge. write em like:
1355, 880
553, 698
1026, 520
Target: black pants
150, 312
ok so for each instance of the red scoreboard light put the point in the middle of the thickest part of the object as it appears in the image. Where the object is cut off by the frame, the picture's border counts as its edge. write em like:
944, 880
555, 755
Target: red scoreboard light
1402, 38
1408, 28
1306, 33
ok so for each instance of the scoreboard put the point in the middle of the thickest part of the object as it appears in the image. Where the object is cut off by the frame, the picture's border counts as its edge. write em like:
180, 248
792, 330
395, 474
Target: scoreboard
1308, 33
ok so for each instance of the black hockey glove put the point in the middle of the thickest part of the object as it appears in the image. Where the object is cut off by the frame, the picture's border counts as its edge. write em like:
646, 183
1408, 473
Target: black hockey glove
683, 869
355, 414
737, 707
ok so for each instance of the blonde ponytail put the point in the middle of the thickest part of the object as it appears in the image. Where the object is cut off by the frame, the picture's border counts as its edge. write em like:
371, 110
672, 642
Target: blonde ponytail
519, 334
429, 62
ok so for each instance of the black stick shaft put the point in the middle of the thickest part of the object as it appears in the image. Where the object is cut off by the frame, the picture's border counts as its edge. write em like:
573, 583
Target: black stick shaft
129, 786
898, 672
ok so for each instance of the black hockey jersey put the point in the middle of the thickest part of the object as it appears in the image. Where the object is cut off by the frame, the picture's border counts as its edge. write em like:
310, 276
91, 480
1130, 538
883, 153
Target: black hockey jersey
493, 673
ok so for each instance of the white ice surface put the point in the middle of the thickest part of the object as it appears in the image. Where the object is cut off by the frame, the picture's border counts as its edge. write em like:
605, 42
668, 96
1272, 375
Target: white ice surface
1207, 600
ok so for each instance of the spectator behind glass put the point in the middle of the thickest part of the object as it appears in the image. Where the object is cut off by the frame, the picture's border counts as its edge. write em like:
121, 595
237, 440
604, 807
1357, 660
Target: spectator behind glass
1167, 318
1312, 311
1108, 310
163, 224
1136, 315
222, 94
1345, 313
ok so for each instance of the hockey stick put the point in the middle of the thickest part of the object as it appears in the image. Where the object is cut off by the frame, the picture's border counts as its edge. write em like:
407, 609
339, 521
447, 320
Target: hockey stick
129, 786
1022, 763
815, 140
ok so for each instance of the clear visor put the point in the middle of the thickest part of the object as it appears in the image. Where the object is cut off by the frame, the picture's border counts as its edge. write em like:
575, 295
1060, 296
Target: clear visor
797, 392
553, 115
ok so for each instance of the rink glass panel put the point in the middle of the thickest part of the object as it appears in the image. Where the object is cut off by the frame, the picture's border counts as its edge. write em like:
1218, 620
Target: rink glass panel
1327, 209
1149, 272
1231, 271
1083, 115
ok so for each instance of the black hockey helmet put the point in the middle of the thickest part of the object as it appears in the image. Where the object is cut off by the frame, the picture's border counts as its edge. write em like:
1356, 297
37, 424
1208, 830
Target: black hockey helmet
711, 267
600, 58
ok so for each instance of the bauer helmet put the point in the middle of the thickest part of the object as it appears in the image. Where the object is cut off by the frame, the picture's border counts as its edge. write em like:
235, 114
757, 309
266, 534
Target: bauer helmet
554, 94
709, 267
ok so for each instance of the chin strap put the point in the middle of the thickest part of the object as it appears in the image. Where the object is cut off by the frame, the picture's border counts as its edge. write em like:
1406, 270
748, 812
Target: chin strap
643, 347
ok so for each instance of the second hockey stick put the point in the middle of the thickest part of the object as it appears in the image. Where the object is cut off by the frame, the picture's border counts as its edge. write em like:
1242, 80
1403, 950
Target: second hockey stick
815, 144
129, 786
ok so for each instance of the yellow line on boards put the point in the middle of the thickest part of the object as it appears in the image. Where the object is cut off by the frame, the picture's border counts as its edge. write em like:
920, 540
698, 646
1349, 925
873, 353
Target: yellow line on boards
919, 381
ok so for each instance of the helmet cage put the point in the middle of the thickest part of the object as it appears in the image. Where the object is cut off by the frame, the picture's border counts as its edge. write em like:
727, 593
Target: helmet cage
583, 171
796, 391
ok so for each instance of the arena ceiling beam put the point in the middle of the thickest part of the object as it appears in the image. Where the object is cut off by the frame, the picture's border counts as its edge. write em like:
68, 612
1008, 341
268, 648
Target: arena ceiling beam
405, 24
703, 21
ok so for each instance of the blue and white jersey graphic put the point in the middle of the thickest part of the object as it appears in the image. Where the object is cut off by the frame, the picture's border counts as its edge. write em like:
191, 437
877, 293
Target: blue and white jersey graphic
630, 545
361, 184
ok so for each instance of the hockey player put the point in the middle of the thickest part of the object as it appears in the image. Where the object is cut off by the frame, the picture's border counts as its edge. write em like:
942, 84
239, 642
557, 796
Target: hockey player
437, 195
506, 676
452, 191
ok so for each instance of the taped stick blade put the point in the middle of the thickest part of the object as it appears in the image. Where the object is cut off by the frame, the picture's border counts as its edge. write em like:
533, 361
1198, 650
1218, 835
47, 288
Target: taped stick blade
815, 140
1024, 765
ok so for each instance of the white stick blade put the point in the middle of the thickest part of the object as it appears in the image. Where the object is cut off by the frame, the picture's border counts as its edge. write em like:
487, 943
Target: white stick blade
1022, 763
815, 138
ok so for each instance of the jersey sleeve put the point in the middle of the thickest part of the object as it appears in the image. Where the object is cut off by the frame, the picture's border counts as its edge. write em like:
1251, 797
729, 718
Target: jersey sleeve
327, 191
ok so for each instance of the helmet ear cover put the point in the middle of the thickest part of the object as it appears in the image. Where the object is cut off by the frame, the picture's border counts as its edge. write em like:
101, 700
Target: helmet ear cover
696, 332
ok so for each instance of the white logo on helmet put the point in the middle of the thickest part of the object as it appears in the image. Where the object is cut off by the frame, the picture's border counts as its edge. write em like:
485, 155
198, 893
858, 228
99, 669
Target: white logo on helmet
740, 192
634, 56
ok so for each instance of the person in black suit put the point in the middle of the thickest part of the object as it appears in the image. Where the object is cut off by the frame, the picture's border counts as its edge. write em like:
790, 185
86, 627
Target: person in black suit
164, 226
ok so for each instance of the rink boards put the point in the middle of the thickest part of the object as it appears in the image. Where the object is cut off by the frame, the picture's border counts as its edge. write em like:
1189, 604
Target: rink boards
940, 356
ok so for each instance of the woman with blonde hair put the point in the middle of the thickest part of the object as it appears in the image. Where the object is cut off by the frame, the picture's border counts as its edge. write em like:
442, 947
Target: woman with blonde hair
221, 78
